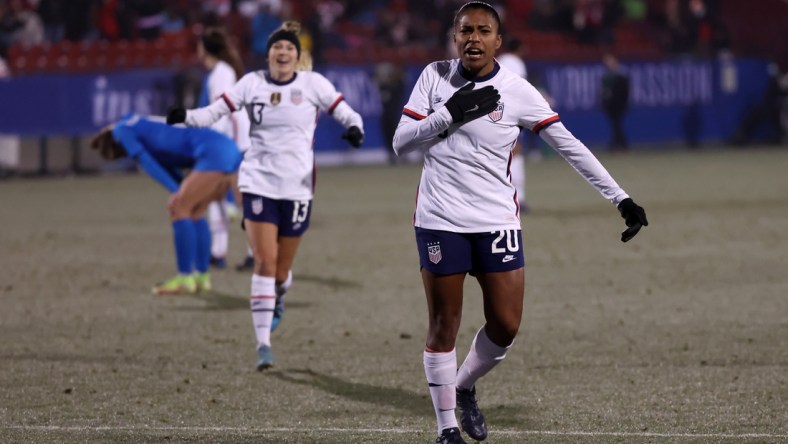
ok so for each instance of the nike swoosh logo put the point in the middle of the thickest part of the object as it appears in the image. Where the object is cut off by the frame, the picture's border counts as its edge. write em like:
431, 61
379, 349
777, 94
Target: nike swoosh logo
475, 107
508, 258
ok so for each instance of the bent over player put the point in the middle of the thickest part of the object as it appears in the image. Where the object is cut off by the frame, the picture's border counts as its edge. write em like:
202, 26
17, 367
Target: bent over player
278, 171
465, 114
163, 152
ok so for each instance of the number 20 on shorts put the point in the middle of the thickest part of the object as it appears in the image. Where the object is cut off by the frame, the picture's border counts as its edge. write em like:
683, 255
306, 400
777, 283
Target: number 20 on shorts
511, 244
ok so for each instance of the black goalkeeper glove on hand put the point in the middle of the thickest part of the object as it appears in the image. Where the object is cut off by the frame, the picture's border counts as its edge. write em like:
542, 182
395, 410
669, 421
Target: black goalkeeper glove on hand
634, 216
467, 104
354, 136
175, 115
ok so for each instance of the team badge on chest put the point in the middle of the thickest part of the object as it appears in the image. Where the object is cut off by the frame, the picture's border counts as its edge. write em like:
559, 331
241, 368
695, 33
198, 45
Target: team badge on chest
276, 98
296, 96
434, 251
497, 113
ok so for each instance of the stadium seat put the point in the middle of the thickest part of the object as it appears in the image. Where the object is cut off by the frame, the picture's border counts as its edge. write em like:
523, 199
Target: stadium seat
27, 59
138, 53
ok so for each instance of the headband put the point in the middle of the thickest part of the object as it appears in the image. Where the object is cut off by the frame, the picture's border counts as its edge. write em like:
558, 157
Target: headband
284, 35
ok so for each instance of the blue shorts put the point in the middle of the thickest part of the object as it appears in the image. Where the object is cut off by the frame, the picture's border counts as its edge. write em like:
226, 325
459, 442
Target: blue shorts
175, 173
217, 153
291, 216
446, 252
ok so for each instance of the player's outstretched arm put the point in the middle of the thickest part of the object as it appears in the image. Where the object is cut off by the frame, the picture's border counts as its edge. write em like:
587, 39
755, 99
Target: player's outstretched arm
202, 117
588, 166
634, 216
354, 136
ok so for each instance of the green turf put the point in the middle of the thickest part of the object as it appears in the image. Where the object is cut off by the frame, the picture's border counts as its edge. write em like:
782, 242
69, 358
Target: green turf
680, 335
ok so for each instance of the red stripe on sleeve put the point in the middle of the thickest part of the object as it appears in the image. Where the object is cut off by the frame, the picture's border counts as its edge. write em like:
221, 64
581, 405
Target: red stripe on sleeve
413, 114
228, 102
545, 123
336, 102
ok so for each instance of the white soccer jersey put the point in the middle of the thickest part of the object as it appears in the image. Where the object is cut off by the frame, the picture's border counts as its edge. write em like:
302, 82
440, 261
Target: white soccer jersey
466, 182
236, 125
283, 117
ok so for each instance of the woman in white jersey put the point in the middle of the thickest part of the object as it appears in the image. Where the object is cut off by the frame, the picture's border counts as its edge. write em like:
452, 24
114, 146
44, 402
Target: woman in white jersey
465, 115
277, 174
224, 66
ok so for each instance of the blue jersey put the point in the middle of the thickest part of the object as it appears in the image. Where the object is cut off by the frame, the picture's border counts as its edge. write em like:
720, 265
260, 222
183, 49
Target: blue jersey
162, 150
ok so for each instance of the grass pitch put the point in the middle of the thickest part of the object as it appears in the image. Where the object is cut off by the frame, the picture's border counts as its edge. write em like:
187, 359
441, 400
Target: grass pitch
680, 335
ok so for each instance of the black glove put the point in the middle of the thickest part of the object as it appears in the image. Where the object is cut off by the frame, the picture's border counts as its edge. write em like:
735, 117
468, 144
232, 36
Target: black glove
468, 104
175, 115
354, 136
634, 216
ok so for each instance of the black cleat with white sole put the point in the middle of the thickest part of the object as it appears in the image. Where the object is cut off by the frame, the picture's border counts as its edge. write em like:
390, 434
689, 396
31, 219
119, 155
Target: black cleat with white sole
471, 418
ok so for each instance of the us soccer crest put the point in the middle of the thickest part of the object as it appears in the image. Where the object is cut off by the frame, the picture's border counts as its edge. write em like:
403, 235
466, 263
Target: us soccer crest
257, 206
276, 98
296, 96
434, 251
497, 113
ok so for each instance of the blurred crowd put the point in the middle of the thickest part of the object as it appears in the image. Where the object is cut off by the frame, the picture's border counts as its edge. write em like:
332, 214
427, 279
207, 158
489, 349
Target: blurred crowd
682, 26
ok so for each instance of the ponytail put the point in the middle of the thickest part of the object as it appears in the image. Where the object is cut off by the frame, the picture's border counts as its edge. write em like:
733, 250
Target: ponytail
305, 59
217, 43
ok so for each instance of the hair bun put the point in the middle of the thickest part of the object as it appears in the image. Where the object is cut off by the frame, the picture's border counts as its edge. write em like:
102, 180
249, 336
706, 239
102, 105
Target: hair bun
292, 26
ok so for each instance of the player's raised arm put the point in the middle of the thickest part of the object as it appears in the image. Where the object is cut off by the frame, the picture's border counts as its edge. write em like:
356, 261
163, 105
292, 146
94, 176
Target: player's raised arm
420, 124
417, 130
419, 127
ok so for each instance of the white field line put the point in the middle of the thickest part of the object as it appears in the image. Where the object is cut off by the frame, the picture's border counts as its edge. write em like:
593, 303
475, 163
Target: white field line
261, 430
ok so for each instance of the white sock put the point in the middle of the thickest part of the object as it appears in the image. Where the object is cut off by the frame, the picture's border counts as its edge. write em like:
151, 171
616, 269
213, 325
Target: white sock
518, 176
282, 287
249, 251
217, 221
441, 371
219, 240
482, 357
262, 303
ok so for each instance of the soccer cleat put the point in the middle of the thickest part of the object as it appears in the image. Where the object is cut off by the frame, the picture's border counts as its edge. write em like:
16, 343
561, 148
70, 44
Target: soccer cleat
218, 262
203, 281
247, 264
471, 418
267, 359
450, 436
279, 310
179, 284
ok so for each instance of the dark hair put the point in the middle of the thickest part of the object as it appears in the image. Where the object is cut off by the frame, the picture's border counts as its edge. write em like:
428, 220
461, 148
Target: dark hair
217, 44
478, 5
105, 144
